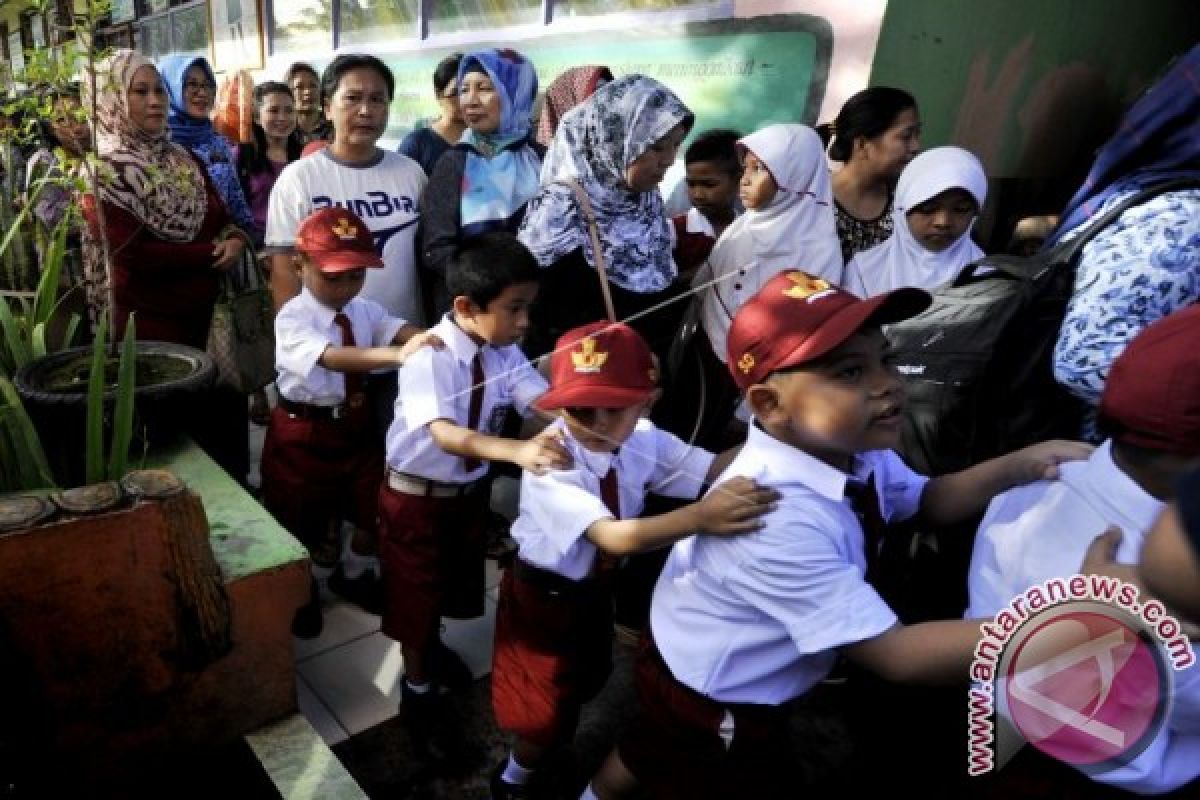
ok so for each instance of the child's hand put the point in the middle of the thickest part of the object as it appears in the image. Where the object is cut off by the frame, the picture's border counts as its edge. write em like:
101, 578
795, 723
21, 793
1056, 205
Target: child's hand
415, 343
1040, 462
735, 507
543, 453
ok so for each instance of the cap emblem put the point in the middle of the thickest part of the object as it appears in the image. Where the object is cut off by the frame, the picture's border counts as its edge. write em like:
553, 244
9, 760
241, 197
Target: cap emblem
344, 230
805, 286
746, 363
588, 359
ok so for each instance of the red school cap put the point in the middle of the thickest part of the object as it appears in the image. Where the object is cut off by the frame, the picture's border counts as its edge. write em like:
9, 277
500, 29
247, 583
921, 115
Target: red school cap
796, 318
337, 241
601, 365
1152, 396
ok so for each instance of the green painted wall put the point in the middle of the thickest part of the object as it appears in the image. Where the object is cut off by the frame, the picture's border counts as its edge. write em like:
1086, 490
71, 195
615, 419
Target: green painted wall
1032, 86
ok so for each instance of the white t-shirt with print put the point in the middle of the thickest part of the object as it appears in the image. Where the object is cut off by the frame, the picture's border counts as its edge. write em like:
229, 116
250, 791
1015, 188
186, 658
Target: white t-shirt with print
384, 193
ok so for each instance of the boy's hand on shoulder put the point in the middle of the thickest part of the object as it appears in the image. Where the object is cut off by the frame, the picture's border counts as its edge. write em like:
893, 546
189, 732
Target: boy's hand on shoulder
415, 343
543, 453
1040, 461
735, 506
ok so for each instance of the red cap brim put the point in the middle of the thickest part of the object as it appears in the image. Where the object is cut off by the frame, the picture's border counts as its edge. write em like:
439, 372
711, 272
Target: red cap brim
345, 260
581, 395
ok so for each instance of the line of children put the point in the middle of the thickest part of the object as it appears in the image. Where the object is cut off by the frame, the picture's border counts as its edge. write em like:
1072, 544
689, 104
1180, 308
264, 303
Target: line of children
938, 198
554, 622
449, 411
322, 461
741, 625
1151, 407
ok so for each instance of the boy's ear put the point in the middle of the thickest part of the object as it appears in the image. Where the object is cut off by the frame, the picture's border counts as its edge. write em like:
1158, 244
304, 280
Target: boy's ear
465, 306
298, 262
763, 401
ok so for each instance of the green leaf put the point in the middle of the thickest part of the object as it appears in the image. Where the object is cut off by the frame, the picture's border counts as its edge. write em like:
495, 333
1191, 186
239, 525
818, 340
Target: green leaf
46, 299
33, 469
14, 228
94, 454
69, 333
16, 346
123, 412
37, 340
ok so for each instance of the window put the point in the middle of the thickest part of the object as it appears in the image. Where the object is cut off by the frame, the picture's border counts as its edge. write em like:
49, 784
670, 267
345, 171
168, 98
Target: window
156, 37
451, 16
61, 27
302, 26
189, 30
589, 8
374, 20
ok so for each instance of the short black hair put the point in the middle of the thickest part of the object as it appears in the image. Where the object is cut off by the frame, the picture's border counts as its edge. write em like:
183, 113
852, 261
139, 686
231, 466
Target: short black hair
487, 264
446, 72
332, 76
718, 145
867, 114
296, 69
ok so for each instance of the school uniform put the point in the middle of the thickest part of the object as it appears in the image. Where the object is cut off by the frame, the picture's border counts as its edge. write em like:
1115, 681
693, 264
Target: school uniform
554, 619
694, 239
433, 505
741, 625
1042, 530
320, 460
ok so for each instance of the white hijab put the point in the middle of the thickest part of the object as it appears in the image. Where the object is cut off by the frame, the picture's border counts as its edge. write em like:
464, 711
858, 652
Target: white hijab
901, 260
795, 231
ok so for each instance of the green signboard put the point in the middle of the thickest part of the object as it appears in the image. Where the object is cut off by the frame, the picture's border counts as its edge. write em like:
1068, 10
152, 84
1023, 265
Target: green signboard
739, 74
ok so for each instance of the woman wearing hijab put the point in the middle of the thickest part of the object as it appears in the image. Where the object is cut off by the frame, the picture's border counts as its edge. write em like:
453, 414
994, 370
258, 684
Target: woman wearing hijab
191, 88
167, 236
484, 182
565, 92
1146, 264
937, 201
616, 147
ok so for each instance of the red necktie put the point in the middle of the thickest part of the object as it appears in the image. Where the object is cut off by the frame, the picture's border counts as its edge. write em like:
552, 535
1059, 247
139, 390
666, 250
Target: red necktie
609, 494
475, 408
354, 380
865, 502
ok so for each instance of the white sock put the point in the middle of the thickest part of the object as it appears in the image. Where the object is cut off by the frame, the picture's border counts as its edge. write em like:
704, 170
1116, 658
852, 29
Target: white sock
418, 688
588, 794
514, 773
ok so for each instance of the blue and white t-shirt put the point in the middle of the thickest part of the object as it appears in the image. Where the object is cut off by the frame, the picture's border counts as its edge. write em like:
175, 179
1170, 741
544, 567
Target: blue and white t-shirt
384, 193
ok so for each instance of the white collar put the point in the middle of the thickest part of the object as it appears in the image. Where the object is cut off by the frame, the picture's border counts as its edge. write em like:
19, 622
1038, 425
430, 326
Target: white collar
1118, 498
457, 340
321, 312
788, 464
698, 223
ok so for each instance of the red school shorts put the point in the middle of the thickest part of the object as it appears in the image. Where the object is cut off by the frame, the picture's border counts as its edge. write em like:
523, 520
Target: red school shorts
553, 652
432, 552
315, 471
675, 749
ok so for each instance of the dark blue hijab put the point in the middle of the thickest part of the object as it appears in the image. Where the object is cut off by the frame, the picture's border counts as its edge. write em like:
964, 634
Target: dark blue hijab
189, 131
1158, 139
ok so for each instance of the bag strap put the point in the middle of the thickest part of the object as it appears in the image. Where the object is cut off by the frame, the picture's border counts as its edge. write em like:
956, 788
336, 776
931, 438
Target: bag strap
589, 217
1066, 252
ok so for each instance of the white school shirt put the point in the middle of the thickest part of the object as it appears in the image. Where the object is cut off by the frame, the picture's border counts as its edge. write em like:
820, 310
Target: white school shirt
557, 508
1041, 531
384, 193
304, 329
436, 384
758, 618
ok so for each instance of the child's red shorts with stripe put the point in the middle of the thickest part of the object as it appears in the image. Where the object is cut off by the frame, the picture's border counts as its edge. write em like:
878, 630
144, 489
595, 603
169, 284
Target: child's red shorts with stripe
553, 652
432, 552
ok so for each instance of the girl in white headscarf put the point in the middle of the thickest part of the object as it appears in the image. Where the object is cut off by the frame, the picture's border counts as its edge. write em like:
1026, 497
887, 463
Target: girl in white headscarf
938, 199
788, 224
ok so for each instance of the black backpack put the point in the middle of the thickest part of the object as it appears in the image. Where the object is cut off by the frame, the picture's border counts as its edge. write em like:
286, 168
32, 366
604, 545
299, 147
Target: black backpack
978, 361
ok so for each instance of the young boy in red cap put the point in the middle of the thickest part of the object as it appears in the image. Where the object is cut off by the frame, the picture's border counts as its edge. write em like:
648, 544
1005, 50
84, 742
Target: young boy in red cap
433, 504
320, 462
554, 623
1151, 410
739, 626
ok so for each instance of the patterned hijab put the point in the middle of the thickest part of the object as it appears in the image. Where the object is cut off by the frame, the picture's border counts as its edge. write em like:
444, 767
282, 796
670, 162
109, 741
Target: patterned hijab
1158, 139
501, 172
150, 177
594, 144
564, 93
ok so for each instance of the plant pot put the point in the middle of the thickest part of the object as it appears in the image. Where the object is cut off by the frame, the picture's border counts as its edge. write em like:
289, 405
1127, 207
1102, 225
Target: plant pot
170, 380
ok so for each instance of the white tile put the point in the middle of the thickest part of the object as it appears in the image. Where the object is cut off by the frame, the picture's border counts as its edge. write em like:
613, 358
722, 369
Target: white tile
358, 681
317, 714
473, 638
344, 622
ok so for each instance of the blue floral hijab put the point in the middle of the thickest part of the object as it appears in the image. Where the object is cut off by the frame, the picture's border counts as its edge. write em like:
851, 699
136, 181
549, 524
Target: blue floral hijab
501, 172
1159, 138
593, 145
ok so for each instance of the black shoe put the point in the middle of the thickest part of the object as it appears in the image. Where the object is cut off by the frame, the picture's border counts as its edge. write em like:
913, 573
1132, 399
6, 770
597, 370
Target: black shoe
419, 711
365, 591
309, 620
502, 789
449, 669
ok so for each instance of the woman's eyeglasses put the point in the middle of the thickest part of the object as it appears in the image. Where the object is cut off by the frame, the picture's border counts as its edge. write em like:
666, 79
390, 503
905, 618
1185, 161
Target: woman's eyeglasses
194, 86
